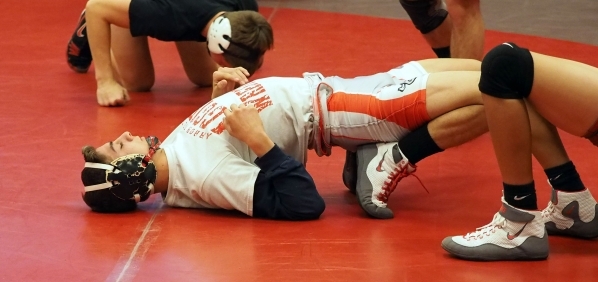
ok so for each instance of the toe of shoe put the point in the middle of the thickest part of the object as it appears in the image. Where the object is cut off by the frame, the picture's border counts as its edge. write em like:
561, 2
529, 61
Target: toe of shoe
378, 212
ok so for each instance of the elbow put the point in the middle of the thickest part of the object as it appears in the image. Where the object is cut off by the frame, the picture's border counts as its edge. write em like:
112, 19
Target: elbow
314, 207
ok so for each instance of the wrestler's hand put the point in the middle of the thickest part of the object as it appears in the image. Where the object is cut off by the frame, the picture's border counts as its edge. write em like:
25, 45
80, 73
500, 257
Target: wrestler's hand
244, 123
110, 93
226, 79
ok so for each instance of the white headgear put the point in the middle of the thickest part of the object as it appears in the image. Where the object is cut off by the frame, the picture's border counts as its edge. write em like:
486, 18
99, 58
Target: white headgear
219, 35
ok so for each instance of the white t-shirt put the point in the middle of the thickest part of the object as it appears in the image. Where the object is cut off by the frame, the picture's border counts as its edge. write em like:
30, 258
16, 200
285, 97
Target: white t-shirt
208, 168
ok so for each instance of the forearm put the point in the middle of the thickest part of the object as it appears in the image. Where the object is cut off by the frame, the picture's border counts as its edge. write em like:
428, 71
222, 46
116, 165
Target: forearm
100, 14
260, 144
98, 31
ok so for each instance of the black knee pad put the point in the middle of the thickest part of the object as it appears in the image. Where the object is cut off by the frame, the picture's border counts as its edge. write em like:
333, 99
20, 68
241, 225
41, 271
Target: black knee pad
507, 72
426, 15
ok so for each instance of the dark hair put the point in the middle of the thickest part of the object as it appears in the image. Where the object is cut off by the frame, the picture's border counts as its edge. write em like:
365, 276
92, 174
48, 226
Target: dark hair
251, 36
101, 200
91, 155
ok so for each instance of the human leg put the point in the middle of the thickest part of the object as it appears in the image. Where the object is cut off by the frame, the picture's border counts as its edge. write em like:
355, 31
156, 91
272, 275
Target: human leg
514, 71
456, 120
132, 60
197, 62
432, 20
373, 188
514, 233
510, 76
467, 35
439, 39
564, 93
349, 174
572, 210
442, 65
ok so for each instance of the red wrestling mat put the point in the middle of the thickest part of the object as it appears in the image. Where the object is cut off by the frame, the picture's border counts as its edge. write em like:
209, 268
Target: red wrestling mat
49, 112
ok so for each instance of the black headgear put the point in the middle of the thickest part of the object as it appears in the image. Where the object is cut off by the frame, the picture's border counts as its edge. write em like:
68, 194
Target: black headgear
129, 178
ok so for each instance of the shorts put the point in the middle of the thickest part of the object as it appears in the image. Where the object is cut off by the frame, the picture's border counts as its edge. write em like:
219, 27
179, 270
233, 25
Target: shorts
172, 20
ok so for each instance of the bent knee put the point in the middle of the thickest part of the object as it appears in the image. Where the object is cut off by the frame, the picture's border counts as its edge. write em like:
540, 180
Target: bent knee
462, 4
507, 72
92, 5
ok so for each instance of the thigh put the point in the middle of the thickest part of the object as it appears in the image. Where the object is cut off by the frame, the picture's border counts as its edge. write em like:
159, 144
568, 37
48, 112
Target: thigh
462, 3
565, 92
197, 62
448, 91
133, 59
440, 65
383, 115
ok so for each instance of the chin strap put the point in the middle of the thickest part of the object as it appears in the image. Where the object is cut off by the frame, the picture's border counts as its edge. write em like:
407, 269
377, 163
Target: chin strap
154, 145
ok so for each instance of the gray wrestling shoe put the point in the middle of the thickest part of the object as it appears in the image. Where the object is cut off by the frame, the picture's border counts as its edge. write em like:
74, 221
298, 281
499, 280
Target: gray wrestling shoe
350, 171
513, 234
380, 167
572, 214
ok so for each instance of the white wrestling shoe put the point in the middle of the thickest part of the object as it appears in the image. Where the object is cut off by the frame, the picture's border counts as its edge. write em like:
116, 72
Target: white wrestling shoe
572, 214
380, 167
513, 234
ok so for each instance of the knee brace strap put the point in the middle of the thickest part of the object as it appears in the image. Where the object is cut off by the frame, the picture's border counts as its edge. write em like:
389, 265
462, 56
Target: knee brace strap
426, 15
507, 72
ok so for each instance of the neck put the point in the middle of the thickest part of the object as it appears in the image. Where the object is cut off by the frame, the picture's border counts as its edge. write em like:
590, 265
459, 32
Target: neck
161, 164
204, 32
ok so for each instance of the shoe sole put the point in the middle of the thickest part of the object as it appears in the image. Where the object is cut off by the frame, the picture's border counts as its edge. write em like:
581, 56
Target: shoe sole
491, 252
77, 70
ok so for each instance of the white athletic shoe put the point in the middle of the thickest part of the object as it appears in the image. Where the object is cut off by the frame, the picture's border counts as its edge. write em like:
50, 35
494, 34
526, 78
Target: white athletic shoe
380, 167
572, 214
513, 234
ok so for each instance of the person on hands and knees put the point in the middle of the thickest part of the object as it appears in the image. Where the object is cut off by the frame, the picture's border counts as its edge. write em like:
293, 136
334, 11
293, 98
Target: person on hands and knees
207, 34
527, 96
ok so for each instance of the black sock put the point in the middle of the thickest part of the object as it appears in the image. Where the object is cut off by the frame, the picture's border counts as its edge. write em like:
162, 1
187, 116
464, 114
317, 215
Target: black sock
564, 178
418, 145
521, 196
444, 52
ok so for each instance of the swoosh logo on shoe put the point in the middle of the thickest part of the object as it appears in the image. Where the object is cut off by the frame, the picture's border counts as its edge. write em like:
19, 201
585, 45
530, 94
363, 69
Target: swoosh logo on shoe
73, 49
80, 30
520, 198
379, 168
511, 237
568, 211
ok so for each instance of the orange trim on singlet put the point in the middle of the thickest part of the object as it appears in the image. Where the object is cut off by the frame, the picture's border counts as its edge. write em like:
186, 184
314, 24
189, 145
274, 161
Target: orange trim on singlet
408, 111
